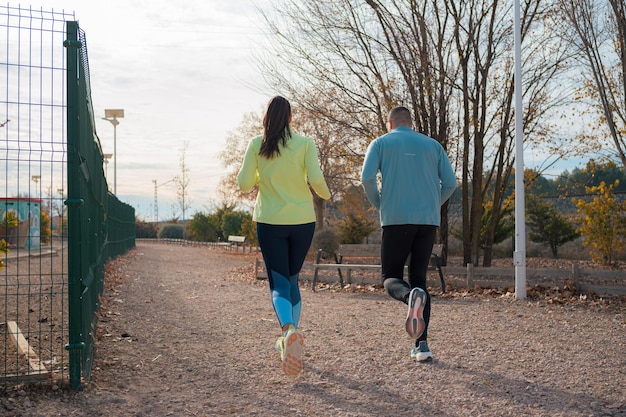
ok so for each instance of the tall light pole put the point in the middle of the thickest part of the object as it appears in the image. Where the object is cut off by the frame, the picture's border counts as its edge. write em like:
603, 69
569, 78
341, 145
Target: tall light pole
106, 157
519, 256
111, 115
61, 212
36, 179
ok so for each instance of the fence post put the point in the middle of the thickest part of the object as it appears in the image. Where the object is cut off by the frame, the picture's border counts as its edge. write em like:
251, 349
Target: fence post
470, 275
317, 261
76, 344
575, 274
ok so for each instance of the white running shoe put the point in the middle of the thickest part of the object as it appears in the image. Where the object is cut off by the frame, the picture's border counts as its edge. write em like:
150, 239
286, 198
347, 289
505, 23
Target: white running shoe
415, 323
422, 353
292, 354
280, 346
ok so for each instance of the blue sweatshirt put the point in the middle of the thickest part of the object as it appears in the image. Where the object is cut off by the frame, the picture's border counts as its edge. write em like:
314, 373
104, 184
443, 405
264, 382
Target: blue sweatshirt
417, 177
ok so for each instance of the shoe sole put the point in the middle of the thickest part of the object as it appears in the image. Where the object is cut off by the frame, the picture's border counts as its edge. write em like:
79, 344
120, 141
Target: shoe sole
415, 323
428, 358
292, 361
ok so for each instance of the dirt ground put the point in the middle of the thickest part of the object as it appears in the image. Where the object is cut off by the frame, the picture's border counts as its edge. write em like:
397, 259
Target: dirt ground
190, 332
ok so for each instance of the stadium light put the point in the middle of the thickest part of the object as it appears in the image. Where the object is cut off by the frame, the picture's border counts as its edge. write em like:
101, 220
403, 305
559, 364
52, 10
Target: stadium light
111, 115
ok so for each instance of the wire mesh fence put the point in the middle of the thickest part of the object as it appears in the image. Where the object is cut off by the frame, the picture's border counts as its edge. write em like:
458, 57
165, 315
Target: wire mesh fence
59, 224
33, 316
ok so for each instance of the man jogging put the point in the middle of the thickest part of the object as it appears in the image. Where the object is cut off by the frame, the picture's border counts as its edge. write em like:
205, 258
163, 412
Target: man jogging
416, 179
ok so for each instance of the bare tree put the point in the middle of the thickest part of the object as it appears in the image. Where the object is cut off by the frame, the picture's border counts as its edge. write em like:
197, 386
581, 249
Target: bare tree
355, 62
182, 181
415, 37
327, 54
483, 36
451, 62
232, 156
339, 162
598, 30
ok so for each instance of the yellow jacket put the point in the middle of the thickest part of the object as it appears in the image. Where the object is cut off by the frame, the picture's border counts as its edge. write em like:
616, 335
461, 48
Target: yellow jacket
284, 195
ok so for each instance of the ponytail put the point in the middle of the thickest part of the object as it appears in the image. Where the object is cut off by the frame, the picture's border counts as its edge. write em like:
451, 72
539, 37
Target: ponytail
276, 128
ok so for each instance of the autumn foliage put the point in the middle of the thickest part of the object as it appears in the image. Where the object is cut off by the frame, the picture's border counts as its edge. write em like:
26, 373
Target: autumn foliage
602, 222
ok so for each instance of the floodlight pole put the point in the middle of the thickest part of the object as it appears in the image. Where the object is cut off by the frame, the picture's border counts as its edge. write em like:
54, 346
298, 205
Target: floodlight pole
106, 157
114, 122
519, 256
111, 116
36, 179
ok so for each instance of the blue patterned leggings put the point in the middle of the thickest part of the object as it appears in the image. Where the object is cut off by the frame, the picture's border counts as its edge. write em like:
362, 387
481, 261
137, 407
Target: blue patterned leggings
284, 249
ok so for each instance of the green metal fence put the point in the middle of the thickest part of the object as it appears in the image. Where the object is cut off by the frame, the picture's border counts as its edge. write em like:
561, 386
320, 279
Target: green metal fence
68, 223
100, 226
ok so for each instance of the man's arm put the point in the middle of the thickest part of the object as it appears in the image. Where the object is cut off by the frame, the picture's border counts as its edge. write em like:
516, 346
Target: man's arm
446, 174
371, 166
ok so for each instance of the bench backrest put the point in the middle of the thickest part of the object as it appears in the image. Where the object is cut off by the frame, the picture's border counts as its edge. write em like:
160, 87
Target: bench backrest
372, 250
362, 250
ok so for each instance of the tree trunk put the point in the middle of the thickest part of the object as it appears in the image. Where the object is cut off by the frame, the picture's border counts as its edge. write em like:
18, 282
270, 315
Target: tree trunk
318, 203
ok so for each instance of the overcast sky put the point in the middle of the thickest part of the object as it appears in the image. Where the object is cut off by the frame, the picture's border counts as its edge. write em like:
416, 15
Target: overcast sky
182, 71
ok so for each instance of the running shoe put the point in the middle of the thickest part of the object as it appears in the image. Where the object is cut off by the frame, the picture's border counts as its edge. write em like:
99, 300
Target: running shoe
292, 356
415, 323
280, 346
422, 353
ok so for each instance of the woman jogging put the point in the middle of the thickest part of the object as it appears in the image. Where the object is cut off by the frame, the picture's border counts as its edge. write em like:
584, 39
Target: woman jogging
284, 164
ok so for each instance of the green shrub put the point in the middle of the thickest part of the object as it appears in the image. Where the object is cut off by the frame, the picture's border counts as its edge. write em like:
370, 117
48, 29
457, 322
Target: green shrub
200, 228
354, 228
144, 230
232, 221
326, 240
248, 229
171, 231
45, 233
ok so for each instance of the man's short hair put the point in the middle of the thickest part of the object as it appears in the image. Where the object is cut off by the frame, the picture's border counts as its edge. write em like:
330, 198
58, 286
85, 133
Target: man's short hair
400, 116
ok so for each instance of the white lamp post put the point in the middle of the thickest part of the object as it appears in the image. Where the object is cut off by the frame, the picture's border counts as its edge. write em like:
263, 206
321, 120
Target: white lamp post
106, 157
61, 211
112, 115
36, 179
519, 256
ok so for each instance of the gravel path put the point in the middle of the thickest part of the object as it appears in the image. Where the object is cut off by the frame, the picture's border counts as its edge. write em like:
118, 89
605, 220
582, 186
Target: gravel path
188, 332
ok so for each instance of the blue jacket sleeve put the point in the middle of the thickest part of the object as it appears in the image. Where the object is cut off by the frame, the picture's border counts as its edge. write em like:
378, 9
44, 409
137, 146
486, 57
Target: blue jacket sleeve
446, 174
371, 167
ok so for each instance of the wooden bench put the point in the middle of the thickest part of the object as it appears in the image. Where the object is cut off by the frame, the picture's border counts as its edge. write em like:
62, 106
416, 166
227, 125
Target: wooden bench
236, 241
369, 252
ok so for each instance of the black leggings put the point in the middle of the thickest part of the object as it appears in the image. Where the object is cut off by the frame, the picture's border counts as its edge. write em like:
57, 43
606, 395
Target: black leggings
414, 242
284, 249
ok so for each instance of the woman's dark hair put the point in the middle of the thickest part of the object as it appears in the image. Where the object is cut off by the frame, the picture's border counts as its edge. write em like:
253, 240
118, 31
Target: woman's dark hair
276, 128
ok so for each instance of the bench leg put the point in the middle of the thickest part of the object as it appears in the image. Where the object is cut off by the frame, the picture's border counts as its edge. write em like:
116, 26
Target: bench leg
443, 282
339, 261
317, 261
340, 278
